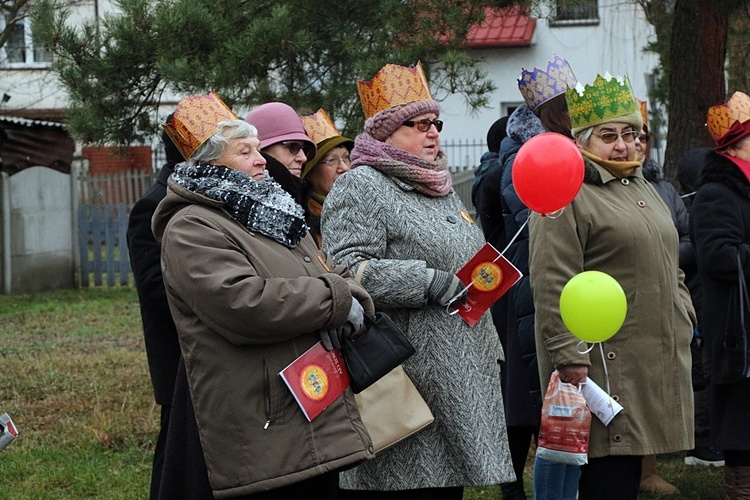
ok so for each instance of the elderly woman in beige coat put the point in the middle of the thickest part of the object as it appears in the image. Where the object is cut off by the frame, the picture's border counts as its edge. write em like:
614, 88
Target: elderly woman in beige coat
619, 225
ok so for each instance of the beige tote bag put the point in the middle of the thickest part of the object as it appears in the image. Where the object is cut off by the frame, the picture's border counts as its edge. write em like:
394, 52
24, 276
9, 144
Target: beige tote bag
392, 409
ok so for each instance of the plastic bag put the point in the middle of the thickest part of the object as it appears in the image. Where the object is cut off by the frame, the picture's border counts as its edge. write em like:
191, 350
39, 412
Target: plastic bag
565, 426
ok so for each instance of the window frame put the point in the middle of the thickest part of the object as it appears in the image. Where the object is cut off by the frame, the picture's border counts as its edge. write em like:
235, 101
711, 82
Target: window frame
29, 50
590, 20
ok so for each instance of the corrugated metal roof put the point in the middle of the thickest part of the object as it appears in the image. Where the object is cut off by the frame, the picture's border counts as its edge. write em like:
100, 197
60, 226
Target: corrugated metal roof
509, 27
30, 123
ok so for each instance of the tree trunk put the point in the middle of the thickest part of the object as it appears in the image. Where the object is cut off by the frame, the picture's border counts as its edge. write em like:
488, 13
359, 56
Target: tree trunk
697, 53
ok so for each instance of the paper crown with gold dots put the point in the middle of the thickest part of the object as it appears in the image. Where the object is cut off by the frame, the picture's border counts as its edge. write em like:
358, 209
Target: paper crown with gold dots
729, 122
195, 120
393, 85
608, 99
319, 126
538, 86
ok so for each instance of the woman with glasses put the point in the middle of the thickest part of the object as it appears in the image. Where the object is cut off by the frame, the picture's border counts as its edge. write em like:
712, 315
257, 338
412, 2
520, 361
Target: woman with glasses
332, 159
396, 222
617, 224
284, 144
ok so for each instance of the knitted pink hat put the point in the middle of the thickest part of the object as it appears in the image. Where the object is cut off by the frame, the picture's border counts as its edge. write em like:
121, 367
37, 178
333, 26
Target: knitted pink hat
383, 124
278, 122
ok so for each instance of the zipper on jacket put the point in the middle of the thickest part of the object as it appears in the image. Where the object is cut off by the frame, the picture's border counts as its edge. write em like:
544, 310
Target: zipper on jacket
267, 391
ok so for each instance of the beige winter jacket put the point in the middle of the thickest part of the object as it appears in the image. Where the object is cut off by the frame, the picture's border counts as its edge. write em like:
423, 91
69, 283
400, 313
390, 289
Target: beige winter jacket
245, 307
621, 227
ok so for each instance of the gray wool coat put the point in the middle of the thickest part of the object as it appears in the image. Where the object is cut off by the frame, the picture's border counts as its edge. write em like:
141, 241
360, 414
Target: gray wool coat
389, 234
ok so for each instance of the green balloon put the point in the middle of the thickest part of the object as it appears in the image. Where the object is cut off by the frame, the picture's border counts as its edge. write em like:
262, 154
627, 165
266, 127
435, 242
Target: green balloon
593, 306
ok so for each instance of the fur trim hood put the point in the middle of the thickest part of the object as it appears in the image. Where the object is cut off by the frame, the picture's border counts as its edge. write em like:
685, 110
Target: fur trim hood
721, 170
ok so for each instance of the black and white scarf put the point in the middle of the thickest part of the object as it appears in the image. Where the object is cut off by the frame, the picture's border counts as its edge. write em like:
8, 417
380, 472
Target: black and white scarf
262, 207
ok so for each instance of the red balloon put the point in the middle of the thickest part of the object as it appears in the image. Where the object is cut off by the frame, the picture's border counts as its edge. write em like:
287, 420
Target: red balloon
548, 172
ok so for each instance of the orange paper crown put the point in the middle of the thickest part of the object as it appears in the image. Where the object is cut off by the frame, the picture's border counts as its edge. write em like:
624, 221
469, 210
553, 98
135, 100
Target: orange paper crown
722, 117
643, 108
393, 85
319, 126
195, 121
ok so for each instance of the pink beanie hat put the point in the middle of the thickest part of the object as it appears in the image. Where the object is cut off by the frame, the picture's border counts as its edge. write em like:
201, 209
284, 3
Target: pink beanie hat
381, 125
278, 122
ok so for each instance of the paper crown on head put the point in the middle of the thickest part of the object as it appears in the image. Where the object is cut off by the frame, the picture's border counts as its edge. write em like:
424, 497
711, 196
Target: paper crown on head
195, 120
608, 99
730, 122
393, 85
324, 133
643, 108
538, 86
319, 126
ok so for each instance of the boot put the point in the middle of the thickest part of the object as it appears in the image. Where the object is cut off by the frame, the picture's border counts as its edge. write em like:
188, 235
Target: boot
737, 483
650, 480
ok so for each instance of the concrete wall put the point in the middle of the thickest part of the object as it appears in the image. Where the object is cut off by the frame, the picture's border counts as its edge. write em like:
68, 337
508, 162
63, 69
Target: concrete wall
38, 231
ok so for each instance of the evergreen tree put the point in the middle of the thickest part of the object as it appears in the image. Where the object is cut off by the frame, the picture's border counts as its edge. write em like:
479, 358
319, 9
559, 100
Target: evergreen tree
307, 54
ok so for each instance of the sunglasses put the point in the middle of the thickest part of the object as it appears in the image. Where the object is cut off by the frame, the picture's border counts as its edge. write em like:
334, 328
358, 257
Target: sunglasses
294, 147
644, 138
610, 137
425, 124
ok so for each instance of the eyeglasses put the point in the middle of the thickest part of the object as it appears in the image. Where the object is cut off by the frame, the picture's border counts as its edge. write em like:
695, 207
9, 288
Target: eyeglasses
610, 137
644, 138
334, 161
425, 124
294, 147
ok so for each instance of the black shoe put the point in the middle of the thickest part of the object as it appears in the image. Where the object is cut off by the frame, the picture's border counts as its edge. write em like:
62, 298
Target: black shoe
512, 491
705, 456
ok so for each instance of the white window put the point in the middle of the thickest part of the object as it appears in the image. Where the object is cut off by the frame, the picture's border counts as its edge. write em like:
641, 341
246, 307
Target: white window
19, 51
575, 12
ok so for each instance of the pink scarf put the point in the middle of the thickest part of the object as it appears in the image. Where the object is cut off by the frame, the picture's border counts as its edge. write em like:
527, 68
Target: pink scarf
743, 165
428, 177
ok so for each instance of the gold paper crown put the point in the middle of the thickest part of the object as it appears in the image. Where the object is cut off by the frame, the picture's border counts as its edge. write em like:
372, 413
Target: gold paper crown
643, 108
393, 85
195, 121
539, 86
319, 126
608, 99
721, 118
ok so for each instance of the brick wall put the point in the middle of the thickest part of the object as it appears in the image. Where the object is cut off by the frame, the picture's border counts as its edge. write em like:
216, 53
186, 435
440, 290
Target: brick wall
110, 160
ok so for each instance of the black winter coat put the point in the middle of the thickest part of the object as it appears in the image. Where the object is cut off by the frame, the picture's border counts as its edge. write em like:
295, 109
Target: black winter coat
162, 346
523, 374
720, 228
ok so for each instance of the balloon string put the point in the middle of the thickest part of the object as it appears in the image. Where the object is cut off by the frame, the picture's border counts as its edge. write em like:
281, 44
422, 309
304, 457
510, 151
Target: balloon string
449, 307
604, 364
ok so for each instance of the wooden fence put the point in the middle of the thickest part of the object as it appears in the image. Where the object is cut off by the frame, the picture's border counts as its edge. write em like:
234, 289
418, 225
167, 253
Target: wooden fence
104, 203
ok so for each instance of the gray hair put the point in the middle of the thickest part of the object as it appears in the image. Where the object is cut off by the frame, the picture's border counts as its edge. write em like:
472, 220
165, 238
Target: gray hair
585, 135
214, 146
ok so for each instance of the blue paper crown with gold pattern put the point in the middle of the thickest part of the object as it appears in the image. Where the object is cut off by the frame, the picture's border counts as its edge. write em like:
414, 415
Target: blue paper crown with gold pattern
609, 99
539, 86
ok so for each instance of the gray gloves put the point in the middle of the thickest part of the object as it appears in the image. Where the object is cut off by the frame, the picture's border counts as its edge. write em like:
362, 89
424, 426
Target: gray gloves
444, 286
332, 337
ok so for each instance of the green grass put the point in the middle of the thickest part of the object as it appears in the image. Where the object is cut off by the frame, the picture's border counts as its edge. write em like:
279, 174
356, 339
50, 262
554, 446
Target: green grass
76, 384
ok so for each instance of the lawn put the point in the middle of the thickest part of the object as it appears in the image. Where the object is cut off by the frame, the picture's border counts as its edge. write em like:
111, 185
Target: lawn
77, 387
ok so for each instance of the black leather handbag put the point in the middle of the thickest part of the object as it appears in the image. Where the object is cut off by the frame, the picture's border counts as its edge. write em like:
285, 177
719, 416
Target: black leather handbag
731, 354
372, 354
